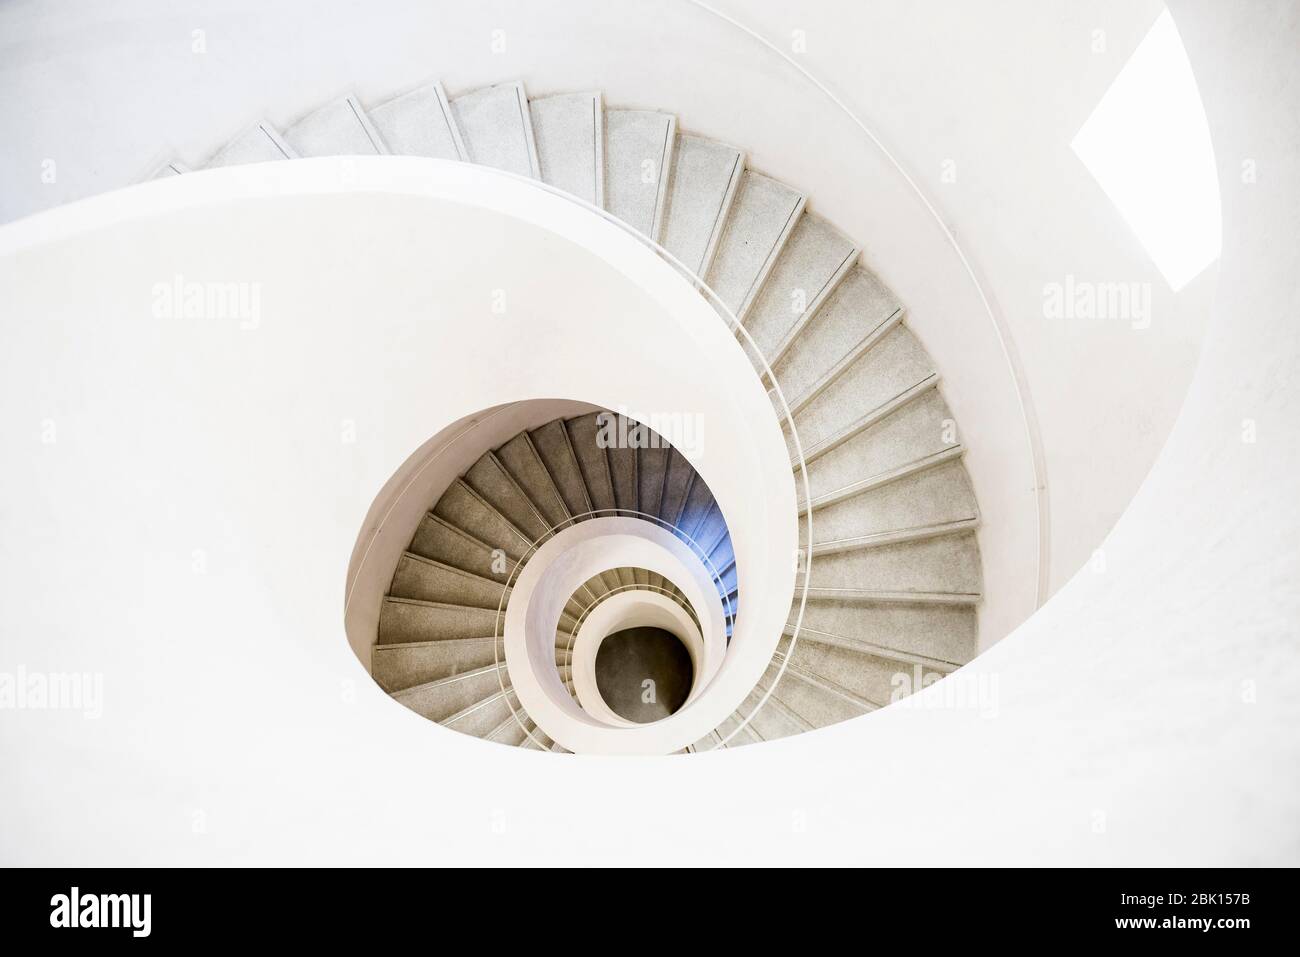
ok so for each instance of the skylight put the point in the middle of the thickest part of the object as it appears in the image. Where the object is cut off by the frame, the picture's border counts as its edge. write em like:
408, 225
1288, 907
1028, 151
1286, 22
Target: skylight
1147, 144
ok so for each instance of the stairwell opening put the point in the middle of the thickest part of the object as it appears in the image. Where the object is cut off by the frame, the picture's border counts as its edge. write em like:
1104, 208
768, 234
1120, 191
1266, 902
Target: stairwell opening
644, 674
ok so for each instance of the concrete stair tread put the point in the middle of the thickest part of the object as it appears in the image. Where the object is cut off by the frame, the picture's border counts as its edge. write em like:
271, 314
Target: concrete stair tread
259, 143
400, 666
561, 463
936, 497
638, 162
420, 123
652, 469
914, 435
569, 131
443, 542
520, 458
760, 221
426, 579
495, 485
942, 637
403, 620
584, 432
705, 178
464, 509
925, 568
814, 260
340, 128
496, 128
857, 303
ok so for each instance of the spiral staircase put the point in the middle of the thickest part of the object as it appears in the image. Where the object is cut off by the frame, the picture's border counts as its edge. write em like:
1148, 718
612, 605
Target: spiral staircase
892, 575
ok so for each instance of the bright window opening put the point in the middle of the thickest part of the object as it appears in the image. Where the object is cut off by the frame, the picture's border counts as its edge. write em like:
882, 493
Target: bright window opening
1147, 144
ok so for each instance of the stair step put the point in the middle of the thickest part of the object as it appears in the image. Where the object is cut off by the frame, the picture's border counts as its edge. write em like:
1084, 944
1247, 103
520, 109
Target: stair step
913, 433
705, 179
937, 497
442, 699
814, 451
419, 123
404, 620
489, 478
816, 258
871, 678
858, 304
536, 739
761, 220
623, 472
638, 163
426, 580
397, 667
888, 364
445, 543
483, 717
652, 469
512, 732
734, 739
552, 443
815, 700
939, 565
340, 128
942, 637
876, 596
570, 136
774, 719
892, 537
711, 530
525, 466
463, 508
699, 503
878, 479
258, 144
677, 485
584, 432
496, 128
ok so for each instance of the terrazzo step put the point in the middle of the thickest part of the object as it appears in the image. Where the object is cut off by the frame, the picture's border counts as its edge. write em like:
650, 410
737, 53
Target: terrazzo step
340, 128
441, 699
943, 565
652, 469
397, 667
552, 443
841, 326
706, 176
917, 435
420, 123
939, 496
520, 458
813, 700
887, 364
570, 135
639, 148
403, 620
760, 222
261, 143
584, 432
941, 637
814, 260
443, 542
426, 580
496, 128
463, 508
494, 484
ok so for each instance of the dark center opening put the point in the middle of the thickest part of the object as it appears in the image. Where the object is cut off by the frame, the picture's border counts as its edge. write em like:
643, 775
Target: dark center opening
644, 673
